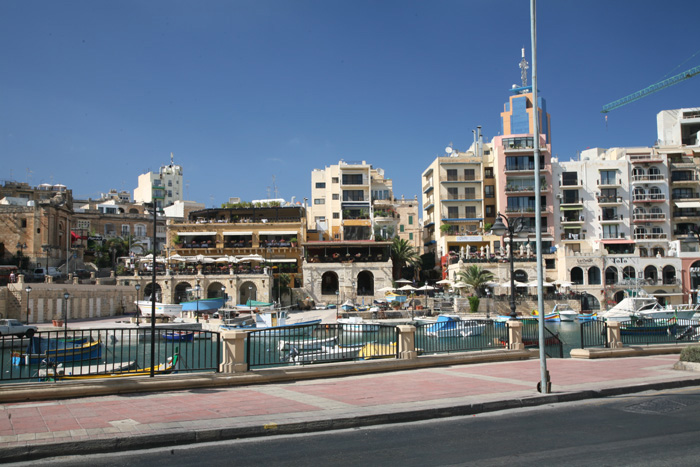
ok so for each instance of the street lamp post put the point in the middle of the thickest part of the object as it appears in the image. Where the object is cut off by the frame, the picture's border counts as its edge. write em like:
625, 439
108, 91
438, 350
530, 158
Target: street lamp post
138, 288
28, 289
337, 303
66, 296
197, 290
501, 227
250, 298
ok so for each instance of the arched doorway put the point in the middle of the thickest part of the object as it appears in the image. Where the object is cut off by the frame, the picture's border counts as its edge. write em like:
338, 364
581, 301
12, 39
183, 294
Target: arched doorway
629, 273
181, 292
651, 274
148, 291
365, 283
214, 290
577, 276
611, 275
247, 291
669, 275
589, 304
329, 283
618, 297
594, 275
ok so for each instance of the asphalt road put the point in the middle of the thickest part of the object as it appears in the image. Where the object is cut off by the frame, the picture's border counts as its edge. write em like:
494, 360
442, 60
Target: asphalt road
651, 429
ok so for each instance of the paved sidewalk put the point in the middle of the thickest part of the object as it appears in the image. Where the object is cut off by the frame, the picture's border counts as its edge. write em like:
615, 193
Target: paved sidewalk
109, 423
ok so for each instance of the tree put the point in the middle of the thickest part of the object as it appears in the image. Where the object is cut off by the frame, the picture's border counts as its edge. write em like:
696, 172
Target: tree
476, 278
403, 254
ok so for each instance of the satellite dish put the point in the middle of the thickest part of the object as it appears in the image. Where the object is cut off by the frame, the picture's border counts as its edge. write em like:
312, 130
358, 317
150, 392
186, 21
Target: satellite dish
448, 150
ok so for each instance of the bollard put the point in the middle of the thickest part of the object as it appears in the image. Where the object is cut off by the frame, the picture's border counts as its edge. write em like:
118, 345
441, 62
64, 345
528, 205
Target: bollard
234, 352
515, 335
407, 342
614, 335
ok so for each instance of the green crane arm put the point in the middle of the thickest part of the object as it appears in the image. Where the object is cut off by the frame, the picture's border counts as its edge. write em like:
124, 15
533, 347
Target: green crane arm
651, 89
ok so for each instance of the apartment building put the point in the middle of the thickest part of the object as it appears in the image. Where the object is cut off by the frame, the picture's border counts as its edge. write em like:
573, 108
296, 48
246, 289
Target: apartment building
168, 179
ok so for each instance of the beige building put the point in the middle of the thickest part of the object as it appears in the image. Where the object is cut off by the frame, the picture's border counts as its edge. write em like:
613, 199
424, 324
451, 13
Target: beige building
168, 178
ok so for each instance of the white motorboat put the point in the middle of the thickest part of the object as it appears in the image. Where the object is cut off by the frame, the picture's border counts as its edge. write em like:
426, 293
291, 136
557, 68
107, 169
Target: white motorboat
566, 313
357, 324
162, 309
646, 306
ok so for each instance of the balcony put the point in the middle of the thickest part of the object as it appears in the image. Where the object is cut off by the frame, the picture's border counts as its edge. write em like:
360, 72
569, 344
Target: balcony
646, 178
649, 217
649, 198
525, 189
572, 220
519, 144
684, 179
462, 179
611, 219
686, 215
650, 236
645, 158
609, 200
683, 163
609, 183
572, 237
427, 188
571, 201
571, 184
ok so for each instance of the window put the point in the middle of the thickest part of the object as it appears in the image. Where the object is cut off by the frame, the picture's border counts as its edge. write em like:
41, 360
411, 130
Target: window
610, 231
320, 185
334, 180
569, 178
336, 215
452, 193
336, 196
607, 177
353, 195
319, 201
410, 236
488, 172
489, 191
469, 174
170, 193
24, 223
451, 175
490, 211
352, 179
83, 224
470, 193
140, 230
401, 228
470, 211
125, 230
410, 220
170, 183
453, 212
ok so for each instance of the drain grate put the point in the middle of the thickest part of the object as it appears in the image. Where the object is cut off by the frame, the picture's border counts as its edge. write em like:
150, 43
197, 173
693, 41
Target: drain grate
659, 405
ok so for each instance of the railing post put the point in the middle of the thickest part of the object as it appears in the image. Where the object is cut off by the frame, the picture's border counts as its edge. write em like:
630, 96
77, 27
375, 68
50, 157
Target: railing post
407, 342
234, 352
614, 336
515, 335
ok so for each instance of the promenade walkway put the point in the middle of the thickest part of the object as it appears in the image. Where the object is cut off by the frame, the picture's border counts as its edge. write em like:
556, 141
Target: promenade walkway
120, 422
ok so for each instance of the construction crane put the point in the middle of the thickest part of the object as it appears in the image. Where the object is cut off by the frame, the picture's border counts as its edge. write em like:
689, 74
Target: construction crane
651, 89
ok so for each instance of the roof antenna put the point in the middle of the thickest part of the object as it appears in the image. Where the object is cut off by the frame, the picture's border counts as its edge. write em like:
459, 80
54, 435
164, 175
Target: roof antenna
524, 66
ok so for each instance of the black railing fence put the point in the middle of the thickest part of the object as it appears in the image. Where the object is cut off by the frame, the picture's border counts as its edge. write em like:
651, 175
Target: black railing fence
646, 331
460, 336
81, 354
553, 344
594, 333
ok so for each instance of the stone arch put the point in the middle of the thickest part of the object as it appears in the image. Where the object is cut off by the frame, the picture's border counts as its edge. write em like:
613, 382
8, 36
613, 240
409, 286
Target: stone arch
148, 291
611, 275
133, 211
214, 290
365, 283
247, 291
651, 274
577, 276
637, 171
653, 170
594, 275
181, 292
619, 295
329, 283
658, 251
629, 273
668, 274
589, 304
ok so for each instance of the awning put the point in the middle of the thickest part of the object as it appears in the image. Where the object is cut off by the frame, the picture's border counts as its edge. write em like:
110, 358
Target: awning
278, 232
194, 234
229, 234
688, 204
282, 260
617, 241
571, 208
670, 294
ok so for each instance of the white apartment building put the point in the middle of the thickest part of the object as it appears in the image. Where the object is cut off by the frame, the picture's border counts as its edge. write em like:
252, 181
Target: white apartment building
344, 200
169, 178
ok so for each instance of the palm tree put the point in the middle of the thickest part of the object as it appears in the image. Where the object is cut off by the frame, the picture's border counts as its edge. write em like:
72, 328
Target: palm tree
403, 254
476, 278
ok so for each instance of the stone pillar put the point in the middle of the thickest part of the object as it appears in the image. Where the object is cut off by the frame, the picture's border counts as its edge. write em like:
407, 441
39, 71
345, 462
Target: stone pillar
234, 352
614, 336
48, 279
515, 335
407, 342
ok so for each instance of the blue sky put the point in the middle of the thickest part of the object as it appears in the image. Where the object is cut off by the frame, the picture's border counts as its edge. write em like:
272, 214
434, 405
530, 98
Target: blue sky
93, 93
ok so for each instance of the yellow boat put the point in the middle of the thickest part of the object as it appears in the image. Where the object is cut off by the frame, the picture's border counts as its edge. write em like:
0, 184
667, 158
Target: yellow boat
373, 350
110, 371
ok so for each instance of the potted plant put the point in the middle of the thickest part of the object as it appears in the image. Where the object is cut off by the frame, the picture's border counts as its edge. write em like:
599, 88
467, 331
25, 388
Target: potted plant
294, 241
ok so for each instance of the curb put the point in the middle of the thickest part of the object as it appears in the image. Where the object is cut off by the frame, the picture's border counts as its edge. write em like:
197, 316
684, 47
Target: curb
179, 438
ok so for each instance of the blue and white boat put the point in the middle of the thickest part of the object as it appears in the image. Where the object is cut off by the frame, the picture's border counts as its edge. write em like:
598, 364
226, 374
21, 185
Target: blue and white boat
449, 326
357, 324
274, 323
208, 305
58, 351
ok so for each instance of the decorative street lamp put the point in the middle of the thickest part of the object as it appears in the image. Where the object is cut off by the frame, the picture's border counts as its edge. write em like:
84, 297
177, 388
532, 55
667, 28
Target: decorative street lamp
28, 289
250, 298
66, 296
197, 290
337, 303
137, 287
501, 227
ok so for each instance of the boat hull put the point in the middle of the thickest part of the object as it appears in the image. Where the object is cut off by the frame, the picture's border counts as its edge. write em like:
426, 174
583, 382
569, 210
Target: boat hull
81, 351
162, 309
205, 304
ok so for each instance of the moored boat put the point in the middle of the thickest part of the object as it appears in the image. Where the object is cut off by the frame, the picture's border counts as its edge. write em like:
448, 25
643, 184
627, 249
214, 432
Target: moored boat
58, 351
582, 317
162, 309
178, 336
450, 326
648, 327
171, 365
566, 313
357, 324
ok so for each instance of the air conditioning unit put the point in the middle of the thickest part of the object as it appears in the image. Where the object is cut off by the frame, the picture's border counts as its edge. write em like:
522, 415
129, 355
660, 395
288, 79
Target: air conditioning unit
622, 235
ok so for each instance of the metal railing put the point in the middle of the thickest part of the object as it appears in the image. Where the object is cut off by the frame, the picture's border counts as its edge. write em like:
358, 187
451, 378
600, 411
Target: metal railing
553, 345
94, 353
320, 343
594, 333
648, 331
460, 336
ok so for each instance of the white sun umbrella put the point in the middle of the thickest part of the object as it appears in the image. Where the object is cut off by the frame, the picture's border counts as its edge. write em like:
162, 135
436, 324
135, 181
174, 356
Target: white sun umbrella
208, 260
491, 284
426, 287
146, 259
517, 284
386, 289
408, 287
177, 258
444, 281
403, 281
223, 259
251, 258
563, 283
544, 284
460, 285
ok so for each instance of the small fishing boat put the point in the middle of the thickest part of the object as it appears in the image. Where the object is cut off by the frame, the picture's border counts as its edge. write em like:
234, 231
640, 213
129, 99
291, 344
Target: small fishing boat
303, 345
274, 323
357, 324
648, 327
208, 305
583, 317
348, 306
550, 317
450, 326
326, 354
59, 371
58, 350
171, 365
178, 336
162, 309
373, 350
